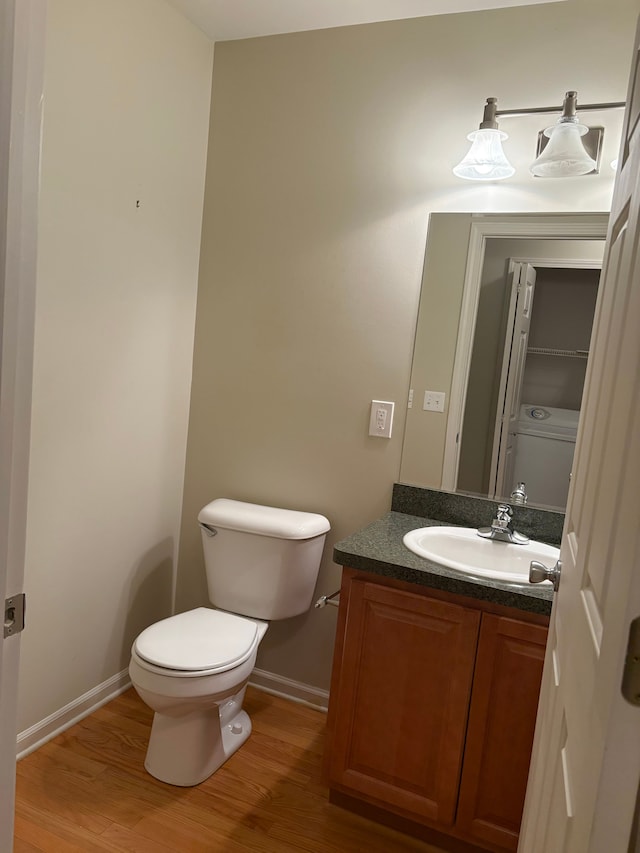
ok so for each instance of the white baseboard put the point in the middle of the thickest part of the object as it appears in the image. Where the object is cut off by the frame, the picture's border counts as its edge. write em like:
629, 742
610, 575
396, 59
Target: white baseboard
30, 739
297, 691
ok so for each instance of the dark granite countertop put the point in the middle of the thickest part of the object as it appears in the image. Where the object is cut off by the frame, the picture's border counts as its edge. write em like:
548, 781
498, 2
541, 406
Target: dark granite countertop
378, 548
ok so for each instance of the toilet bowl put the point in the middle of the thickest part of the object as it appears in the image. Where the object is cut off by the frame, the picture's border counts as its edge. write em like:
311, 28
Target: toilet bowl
192, 669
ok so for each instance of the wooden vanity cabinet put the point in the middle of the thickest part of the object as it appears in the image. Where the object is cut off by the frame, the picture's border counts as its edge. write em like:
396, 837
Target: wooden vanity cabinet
502, 719
403, 699
432, 711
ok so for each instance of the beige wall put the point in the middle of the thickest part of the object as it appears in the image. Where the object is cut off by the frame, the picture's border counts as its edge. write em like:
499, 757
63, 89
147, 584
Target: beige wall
327, 153
436, 338
127, 88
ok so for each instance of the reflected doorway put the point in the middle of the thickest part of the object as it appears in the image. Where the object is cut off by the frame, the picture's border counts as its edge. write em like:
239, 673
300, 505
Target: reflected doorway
524, 394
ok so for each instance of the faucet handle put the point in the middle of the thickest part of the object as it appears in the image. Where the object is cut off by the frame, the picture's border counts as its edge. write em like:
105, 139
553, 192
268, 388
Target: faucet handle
504, 513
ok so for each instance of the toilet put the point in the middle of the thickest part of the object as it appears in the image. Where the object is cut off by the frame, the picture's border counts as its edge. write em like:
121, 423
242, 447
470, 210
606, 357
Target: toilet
192, 669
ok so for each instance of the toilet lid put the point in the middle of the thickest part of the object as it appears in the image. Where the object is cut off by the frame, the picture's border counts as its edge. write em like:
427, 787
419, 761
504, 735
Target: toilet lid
198, 639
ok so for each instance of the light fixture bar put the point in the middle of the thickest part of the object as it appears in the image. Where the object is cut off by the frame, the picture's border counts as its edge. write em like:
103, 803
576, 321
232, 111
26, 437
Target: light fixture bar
614, 105
564, 155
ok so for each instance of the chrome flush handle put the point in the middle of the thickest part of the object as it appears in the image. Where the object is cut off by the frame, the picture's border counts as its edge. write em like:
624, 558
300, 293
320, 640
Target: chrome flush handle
538, 572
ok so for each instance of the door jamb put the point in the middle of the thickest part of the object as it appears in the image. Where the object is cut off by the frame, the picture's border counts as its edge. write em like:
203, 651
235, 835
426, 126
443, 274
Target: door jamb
21, 95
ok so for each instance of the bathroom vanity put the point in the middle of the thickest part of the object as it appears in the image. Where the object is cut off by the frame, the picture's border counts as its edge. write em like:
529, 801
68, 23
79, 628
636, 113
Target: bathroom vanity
434, 690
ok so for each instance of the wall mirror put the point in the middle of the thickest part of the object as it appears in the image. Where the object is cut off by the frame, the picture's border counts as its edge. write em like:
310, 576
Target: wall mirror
503, 330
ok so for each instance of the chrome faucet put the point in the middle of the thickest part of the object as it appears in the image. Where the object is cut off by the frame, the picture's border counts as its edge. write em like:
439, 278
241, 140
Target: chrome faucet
501, 529
519, 495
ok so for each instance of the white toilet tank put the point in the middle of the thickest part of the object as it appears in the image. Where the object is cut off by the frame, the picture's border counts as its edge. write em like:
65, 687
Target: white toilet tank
261, 561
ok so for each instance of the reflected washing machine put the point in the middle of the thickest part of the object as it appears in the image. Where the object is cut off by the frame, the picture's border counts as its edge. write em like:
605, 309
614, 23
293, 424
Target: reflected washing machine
546, 440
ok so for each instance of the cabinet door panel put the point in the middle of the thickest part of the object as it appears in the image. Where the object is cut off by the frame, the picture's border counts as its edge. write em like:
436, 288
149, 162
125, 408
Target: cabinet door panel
501, 726
403, 699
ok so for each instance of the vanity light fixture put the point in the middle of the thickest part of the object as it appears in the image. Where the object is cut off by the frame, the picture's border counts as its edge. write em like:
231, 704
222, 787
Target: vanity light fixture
486, 160
565, 155
567, 148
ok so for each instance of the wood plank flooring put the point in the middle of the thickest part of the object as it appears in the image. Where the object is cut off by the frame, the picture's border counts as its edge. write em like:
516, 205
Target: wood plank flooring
87, 790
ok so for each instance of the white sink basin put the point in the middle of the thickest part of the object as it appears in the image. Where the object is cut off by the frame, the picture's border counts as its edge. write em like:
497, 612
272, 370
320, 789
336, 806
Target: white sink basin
462, 549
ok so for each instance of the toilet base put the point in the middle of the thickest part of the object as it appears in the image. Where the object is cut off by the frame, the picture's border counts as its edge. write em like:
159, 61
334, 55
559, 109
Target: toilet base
186, 750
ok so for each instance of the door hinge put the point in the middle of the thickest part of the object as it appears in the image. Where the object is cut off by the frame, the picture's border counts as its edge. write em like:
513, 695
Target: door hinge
14, 614
631, 673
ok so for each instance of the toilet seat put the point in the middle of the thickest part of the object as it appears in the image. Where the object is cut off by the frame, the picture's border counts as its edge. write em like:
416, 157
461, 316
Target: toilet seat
199, 642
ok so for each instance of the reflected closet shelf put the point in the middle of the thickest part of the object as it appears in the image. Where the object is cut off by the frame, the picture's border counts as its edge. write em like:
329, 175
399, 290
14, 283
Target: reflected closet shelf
565, 353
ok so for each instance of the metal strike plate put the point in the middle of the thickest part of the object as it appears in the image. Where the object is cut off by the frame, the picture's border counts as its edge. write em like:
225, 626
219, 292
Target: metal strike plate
14, 614
631, 674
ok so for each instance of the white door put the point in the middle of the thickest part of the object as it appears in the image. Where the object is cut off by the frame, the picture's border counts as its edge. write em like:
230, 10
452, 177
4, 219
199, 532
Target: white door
585, 770
515, 355
21, 57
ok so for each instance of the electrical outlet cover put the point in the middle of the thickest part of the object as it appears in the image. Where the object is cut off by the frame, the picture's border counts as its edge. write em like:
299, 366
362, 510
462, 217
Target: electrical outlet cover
381, 418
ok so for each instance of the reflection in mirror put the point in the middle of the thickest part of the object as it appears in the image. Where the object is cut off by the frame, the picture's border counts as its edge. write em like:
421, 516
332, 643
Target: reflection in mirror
517, 295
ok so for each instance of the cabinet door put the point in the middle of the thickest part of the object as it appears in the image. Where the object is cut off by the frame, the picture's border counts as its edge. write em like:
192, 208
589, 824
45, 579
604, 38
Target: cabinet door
502, 720
402, 700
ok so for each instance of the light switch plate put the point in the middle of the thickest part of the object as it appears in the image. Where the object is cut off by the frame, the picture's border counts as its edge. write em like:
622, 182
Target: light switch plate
381, 419
434, 401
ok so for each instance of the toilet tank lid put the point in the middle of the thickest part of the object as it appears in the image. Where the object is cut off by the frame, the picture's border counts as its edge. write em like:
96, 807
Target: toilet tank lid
264, 520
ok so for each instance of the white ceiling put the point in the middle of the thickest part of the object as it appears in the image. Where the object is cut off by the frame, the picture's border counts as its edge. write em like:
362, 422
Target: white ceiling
237, 19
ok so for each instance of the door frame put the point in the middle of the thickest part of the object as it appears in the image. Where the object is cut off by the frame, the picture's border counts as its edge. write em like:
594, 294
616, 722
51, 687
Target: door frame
550, 226
22, 33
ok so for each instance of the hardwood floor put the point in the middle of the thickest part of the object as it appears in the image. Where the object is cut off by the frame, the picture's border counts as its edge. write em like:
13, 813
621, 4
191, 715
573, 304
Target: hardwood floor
87, 790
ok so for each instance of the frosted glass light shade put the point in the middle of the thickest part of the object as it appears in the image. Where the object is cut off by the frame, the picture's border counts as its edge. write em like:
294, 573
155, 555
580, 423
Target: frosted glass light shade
486, 160
564, 155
